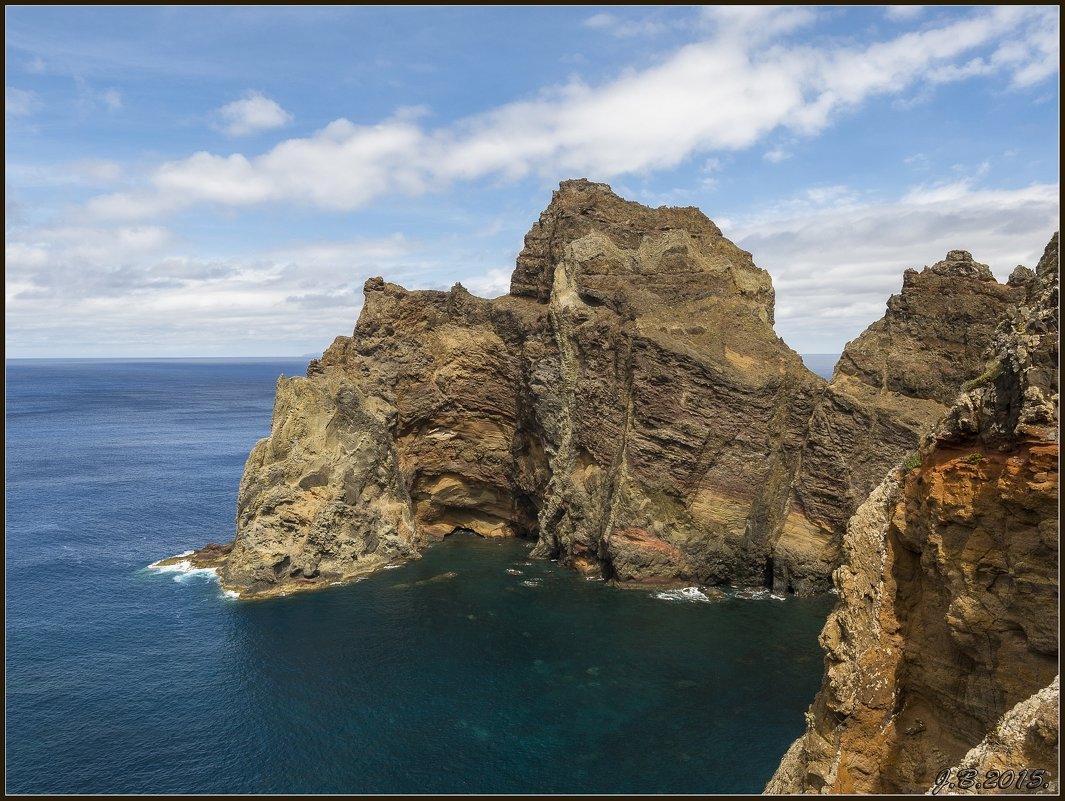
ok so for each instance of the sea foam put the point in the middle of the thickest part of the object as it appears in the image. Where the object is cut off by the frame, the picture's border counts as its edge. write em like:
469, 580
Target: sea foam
757, 594
184, 570
688, 594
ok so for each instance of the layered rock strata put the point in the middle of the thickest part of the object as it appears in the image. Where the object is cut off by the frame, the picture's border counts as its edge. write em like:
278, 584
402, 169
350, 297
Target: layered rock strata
890, 386
628, 406
942, 652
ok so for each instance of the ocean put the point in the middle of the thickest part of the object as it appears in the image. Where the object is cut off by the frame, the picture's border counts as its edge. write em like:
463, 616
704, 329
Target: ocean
472, 670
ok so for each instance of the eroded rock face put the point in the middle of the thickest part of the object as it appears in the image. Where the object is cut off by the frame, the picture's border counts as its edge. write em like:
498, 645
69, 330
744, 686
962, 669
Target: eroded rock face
628, 405
890, 386
945, 636
1026, 737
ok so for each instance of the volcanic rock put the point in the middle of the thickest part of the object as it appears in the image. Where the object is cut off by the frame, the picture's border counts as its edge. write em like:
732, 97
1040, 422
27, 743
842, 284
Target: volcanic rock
942, 651
628, 405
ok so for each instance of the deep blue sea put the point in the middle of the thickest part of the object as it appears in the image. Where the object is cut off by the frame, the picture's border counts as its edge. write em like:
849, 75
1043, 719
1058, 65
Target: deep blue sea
821, 363
122, 679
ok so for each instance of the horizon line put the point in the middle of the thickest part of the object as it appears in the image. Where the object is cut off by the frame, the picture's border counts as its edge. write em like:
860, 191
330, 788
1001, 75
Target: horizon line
246, 358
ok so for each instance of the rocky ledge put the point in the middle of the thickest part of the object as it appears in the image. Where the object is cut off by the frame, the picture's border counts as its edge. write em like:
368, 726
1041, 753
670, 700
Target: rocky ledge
628, 406
943, 650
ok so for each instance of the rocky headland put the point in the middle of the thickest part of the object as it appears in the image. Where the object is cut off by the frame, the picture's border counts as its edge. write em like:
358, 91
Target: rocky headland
942, 652
627, 405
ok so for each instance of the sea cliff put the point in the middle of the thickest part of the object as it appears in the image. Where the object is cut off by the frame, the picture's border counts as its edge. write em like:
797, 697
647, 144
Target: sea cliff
627, 405
942, 652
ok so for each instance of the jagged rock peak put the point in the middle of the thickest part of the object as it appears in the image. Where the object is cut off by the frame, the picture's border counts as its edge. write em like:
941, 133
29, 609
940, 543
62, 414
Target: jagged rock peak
1048, 264
951, 308
960, 263
611, 246
1021, 276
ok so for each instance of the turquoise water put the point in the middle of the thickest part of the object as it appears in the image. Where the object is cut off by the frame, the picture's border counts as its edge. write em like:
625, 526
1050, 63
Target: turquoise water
448, 674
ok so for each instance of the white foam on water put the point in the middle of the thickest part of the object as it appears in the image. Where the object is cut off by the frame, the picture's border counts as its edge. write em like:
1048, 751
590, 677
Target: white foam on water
757, 594
230, 594
180, 567
531, 582
513, 572
752, 593
593, 578
170, 568
689, 594
197, 572
391, 567
184, 570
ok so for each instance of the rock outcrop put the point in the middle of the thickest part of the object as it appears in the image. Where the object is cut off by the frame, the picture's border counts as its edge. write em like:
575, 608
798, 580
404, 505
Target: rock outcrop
890, 386
942, 651
628, 406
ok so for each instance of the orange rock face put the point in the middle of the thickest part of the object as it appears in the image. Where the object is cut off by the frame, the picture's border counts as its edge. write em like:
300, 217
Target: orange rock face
944, 645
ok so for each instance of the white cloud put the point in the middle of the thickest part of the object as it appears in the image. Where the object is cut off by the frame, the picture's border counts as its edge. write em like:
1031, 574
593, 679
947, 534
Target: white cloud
776, 155
756, 24
835, 259
85, 172
491, 284
835, 256
725, 93
251, 114
91, 290
903, 13
20, 102
37, 66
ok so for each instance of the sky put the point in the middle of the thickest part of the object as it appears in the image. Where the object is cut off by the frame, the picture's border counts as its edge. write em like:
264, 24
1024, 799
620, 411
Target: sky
213, 181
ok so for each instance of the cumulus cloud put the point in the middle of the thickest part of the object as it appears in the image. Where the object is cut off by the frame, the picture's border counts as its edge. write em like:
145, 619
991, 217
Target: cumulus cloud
835, 258
491, 284
835, 255
121, 282
724, 93
79, 290
251, 114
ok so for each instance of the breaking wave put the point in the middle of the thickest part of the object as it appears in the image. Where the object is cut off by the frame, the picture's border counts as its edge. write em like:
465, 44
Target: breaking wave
689, 594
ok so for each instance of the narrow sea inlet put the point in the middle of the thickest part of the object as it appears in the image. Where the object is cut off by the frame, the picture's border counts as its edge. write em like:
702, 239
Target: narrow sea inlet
472, 670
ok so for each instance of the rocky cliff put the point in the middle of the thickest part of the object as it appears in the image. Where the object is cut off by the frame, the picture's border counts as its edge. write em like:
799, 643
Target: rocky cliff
890, 386
628, 406
942, 651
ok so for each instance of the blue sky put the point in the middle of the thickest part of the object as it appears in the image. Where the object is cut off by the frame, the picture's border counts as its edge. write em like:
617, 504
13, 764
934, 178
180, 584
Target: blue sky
221, 181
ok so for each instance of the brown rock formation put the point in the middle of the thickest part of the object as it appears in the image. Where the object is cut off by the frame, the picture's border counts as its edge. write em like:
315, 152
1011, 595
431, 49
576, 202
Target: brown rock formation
890, 386
948, 592
628, 405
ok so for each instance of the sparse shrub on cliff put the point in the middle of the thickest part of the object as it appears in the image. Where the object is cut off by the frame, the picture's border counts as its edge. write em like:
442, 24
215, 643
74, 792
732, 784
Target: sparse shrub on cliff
993, 370
974, 458
912, 461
